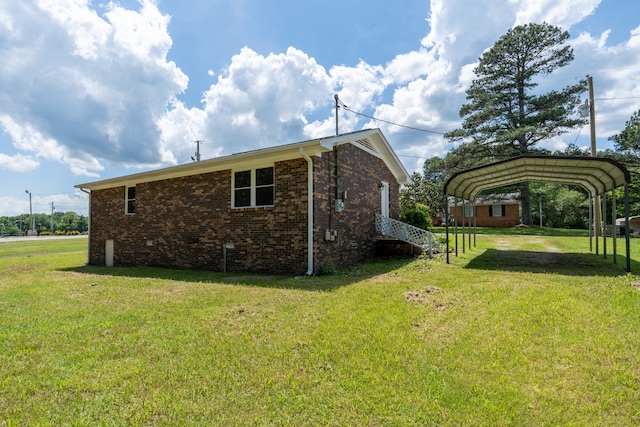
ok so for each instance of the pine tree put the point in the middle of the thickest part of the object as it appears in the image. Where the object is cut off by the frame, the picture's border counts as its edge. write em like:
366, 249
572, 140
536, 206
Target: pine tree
505, 113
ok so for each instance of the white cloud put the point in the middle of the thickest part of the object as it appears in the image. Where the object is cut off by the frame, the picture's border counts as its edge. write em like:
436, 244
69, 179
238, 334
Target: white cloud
28, 139
18, 163
615, 75
257, 101
358, 88
84, 28
410, 66
180, 127
561, 13
93, 85
91, 88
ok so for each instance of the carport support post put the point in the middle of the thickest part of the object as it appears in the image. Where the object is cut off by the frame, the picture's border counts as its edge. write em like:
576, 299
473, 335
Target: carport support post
596, 221
626, 225
604, 224
446, 228
464, 220
455, 221
469, 218
590, 222
614, 226
475, 222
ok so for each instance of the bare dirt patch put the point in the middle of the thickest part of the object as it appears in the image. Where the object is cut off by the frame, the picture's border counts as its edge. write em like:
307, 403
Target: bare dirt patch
427, 296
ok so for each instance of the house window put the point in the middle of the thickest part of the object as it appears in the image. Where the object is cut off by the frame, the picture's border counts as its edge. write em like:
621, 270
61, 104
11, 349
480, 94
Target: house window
469, 210
130, 206
497, 210
253, 188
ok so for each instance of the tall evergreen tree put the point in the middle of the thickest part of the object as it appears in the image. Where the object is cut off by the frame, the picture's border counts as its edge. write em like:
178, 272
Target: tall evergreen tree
505, 114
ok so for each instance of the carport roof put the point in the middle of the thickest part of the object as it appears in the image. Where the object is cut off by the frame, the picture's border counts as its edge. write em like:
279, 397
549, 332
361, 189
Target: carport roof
595, 174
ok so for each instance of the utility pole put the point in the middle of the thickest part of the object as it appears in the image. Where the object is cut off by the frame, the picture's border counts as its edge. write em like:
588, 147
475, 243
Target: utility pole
590, 106
588, 109
52, 208
592, 128
592, 116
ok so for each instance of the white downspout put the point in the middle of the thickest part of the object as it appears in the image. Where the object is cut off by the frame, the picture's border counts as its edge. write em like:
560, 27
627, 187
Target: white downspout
309, 212
88, 227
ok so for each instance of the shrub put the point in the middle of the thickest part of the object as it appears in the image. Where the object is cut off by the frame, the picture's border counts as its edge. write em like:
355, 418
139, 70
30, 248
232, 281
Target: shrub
327, 269
419, 216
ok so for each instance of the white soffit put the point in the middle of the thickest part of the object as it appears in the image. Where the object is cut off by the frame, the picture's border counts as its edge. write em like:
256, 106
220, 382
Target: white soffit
595, 174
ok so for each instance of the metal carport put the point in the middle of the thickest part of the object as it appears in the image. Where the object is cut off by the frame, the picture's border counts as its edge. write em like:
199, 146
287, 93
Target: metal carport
598, 176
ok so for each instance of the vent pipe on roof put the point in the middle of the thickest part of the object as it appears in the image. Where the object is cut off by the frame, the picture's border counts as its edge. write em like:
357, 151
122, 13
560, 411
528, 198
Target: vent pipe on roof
197, 157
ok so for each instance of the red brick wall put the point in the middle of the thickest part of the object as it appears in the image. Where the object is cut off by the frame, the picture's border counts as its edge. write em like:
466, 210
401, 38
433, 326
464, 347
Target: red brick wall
189, 220
483, 219
360, 174
185, 222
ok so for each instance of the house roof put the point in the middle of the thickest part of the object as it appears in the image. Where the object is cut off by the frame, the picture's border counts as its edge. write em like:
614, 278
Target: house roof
370, 140
597, 175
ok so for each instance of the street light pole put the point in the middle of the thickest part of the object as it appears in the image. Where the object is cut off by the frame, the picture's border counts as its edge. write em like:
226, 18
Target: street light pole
31, 224
52, 208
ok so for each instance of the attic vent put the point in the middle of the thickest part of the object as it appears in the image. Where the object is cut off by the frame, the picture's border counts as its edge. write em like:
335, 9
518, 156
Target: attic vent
366, 143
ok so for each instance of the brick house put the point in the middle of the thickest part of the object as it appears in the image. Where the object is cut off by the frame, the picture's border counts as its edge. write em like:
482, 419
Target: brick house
501, 211
251, 211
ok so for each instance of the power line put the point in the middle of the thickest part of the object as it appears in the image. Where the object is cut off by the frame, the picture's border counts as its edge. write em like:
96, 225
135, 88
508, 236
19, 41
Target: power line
387, 121
614, 99
578, 135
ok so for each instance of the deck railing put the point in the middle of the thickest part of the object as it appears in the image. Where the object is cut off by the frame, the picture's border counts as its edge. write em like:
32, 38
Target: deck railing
407, 233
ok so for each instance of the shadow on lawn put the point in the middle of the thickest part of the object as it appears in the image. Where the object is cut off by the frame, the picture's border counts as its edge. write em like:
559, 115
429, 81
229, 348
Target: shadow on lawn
324, 283
574, 264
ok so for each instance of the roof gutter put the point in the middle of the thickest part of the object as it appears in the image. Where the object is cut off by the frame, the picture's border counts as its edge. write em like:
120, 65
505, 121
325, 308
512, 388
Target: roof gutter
309, 211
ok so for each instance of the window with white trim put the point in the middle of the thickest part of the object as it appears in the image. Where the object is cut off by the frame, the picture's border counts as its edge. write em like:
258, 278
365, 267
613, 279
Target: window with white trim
252, 188
497, 210
469, 210
130, 200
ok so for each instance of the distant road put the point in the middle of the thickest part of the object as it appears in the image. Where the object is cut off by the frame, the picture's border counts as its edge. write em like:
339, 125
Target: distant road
34, 238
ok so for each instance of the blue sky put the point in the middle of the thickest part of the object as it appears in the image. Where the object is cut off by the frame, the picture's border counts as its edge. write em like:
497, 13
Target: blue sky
91, 90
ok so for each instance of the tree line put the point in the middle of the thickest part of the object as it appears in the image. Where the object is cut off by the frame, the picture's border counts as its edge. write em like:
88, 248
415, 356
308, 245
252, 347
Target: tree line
63, 223
507, 115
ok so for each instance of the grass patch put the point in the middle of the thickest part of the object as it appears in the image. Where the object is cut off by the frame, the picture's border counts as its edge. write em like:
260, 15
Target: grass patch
480, 341
521, 231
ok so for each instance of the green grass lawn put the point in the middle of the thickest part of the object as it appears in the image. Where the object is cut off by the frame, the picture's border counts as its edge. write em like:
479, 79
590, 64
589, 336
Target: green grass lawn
521, 330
